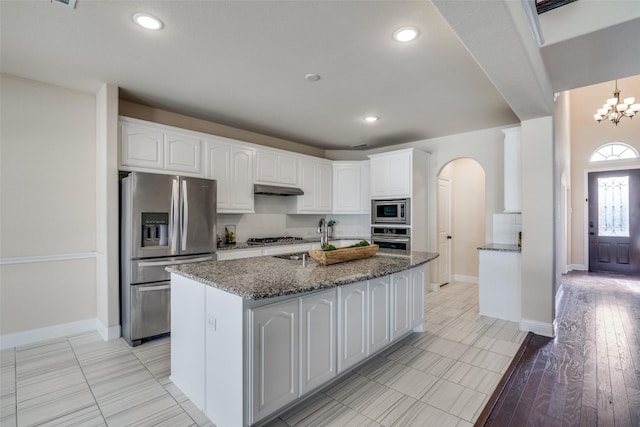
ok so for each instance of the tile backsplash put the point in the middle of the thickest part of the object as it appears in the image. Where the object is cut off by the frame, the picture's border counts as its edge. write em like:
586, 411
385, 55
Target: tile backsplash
506, 228
271, 218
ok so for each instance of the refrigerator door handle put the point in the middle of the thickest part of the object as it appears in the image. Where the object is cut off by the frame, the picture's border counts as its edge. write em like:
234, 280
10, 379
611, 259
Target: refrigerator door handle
184, 261
154, 288
173, 215
184, 215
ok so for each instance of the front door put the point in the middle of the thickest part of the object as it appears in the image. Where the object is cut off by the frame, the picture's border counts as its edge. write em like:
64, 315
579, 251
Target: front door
614, 221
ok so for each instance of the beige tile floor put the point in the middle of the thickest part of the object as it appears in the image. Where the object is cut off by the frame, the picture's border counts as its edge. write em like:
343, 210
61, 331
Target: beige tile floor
442, 377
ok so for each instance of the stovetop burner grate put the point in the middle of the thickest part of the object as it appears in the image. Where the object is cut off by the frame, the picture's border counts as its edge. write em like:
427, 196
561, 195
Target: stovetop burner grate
264, 240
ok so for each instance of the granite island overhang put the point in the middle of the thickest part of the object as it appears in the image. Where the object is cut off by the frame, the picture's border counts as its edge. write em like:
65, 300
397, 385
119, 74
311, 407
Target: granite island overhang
250, 337
269, 276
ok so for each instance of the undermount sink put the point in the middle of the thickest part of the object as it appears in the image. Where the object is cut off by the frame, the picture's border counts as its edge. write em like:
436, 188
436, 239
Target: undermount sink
295, 257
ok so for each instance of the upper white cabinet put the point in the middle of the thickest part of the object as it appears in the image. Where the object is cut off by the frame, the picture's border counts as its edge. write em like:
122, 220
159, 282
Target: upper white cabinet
315, 181
275, 167
182, 153
231, 165
141, 146
391, 174
512, 170
156, 147
351, 187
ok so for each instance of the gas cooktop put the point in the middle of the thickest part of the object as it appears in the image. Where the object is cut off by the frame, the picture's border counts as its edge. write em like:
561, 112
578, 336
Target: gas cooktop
267, 240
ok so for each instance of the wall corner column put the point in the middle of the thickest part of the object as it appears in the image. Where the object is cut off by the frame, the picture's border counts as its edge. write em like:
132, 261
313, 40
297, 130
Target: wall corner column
107, 228
538, 271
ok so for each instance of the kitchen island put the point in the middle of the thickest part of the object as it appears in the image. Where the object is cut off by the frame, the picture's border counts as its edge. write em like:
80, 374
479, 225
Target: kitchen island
250, 337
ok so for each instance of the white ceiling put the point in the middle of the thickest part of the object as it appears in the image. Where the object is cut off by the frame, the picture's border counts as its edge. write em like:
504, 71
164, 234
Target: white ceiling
242, 63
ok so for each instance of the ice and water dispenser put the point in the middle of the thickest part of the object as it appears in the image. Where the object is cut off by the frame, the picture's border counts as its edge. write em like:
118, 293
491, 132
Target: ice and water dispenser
155, 229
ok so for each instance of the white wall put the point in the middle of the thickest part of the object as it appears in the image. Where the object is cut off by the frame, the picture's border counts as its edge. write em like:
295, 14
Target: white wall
48, 214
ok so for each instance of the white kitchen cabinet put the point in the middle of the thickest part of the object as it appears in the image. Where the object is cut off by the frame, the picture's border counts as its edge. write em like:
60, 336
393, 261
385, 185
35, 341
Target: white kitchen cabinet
400, 304
275, 167
315, 181
275, 356
141, 146
379, 322
182, 153
318, 340
351, 187
232, 167
391, 174
353, 318
145, 146
499, 286
418, 277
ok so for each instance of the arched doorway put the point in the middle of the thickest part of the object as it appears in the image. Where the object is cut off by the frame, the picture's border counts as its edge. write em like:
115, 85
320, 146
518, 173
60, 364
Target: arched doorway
460, 220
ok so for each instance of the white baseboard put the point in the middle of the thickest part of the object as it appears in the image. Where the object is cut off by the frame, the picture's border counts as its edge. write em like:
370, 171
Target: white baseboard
577, 267
539, 328
465, 279
107, 333
433, 286
50, 332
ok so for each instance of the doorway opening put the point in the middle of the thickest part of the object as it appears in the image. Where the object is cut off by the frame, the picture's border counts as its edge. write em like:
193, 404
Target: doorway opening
460, 221
614, 221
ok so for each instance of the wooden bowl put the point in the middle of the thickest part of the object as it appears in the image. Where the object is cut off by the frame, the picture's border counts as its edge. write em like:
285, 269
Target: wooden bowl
342, 254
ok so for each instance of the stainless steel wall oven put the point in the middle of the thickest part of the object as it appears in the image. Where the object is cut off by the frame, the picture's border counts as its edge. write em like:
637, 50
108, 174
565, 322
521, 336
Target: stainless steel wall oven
391, 237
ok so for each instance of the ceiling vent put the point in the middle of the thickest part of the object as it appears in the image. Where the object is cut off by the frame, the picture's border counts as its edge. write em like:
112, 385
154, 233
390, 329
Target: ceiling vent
71, 4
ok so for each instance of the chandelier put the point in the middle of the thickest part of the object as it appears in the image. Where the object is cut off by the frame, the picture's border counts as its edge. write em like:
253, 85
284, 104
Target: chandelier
615, 109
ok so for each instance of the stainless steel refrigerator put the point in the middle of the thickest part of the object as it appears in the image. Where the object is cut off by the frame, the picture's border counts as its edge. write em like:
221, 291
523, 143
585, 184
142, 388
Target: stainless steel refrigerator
165, 220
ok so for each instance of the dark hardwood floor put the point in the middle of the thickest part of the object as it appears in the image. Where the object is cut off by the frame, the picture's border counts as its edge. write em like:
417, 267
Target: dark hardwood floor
589, 375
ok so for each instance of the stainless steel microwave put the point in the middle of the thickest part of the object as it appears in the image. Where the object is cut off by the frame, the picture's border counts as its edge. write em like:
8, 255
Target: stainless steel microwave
396, 211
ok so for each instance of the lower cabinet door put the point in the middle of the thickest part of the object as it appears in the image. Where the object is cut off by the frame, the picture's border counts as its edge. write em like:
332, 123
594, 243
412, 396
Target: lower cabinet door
400, 304
352, 335
418, 276
318, 338
275, 368
379, 336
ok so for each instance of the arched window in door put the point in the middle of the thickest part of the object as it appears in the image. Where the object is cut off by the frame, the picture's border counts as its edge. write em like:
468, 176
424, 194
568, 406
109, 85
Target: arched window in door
614, 151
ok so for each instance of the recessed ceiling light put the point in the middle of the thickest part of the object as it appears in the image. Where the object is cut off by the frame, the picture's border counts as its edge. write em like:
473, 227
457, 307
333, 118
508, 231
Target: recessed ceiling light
371, 119
312, 77
405, 34
147, 21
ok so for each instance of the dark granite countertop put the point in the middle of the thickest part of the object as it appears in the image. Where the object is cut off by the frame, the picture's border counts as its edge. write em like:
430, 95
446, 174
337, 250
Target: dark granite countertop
500, 247
267, 277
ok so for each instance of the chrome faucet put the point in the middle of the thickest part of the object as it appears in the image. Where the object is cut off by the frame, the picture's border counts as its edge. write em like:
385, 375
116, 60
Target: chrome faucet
323, 230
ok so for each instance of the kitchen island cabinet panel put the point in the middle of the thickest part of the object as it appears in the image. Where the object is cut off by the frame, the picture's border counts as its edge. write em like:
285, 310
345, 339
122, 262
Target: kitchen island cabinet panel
274, 346
253, 343
418, 281
353, 314
225, 378
379, 322
318, 339
188, 339
400, 304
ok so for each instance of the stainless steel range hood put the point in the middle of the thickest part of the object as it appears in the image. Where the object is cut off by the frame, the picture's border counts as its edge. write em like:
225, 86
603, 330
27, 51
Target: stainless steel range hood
275, 190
